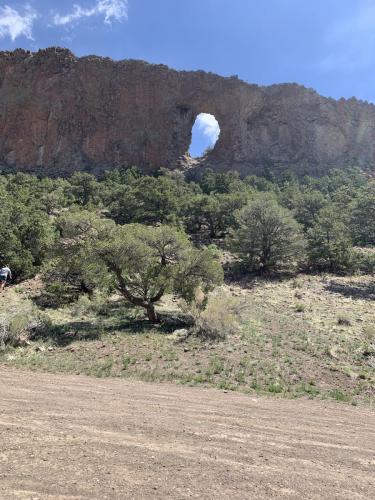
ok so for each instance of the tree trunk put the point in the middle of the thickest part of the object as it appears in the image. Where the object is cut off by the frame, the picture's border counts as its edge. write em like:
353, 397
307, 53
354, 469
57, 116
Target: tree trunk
151, 313
148, 304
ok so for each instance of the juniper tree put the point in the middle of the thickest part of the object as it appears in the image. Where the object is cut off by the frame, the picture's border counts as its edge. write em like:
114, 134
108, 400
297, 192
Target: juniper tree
145, 262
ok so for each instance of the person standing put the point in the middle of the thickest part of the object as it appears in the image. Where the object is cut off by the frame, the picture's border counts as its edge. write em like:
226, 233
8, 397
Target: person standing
5, 274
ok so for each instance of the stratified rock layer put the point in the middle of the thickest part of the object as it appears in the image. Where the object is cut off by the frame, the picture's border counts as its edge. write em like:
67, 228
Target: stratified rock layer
59, 113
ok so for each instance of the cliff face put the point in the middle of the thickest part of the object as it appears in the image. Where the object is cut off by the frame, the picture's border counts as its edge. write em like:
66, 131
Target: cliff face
59, 113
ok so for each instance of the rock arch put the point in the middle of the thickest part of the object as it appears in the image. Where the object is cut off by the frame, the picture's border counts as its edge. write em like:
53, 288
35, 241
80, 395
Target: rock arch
59, 113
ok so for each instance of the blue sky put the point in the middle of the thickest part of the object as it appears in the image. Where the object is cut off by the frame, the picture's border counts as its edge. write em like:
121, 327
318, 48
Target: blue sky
325, 44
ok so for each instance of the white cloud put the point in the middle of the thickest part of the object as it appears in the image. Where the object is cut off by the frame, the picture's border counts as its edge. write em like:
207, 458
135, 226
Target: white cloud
111, 10
351, 41
14, 24
209, 126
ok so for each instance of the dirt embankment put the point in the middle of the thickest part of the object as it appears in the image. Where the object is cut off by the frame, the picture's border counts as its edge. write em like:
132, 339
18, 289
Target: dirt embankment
76, 437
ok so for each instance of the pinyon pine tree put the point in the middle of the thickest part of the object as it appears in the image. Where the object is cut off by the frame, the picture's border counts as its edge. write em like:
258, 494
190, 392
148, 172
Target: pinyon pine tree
145, 262
268, 238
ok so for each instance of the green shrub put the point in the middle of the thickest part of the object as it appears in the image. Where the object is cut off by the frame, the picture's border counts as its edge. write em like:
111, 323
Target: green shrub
299, 307
267, 238
216, 366
21, 326
329, 244
275, 387
338, 395
142, 262
362, 216
365, 261
128, 361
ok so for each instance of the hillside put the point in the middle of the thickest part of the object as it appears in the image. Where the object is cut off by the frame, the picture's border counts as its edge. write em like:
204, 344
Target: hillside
271, 283
300, 337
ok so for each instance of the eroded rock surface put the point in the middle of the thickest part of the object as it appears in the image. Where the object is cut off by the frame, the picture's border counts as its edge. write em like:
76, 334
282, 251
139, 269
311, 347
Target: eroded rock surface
59, 113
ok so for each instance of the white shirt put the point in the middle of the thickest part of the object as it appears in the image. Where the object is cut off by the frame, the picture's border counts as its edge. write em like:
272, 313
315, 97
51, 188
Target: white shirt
5, 271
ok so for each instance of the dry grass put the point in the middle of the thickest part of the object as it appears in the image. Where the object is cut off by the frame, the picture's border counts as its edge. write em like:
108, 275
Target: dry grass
16, 315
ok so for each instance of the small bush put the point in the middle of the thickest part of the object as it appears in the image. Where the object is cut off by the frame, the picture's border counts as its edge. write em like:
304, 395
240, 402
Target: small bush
215, 318
275, 387
128, 361
170, 355
97, 303
299, 307
6, 335
308, 388
297, 283
216, 366
19, 326
343, 321
82, 306
103, 369
56, 295
369, 333
365, 261
338, 395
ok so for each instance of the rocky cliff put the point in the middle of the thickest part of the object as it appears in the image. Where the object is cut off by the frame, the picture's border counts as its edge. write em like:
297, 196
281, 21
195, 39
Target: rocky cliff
59, 113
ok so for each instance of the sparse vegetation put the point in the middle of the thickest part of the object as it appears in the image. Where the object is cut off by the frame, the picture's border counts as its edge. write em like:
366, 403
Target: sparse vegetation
107, 251
271, 349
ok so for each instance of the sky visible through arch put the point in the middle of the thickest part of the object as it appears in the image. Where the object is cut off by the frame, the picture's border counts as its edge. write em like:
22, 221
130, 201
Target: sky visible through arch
205, 133
328, 45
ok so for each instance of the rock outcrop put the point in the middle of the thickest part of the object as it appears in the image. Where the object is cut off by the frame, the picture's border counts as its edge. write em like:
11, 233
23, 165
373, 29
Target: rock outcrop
59, 113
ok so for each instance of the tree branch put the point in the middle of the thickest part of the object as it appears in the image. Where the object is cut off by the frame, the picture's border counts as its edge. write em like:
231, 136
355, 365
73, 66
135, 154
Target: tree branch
158, 296
136, 301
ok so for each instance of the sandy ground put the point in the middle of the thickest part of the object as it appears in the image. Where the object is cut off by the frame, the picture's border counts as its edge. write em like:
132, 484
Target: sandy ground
65, 437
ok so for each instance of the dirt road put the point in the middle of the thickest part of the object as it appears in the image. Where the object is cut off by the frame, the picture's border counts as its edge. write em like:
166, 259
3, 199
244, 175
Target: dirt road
65, 437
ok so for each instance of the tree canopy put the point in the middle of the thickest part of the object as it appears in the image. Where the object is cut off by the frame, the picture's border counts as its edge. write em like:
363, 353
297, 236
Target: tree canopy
206, 206
145, 262
267, 238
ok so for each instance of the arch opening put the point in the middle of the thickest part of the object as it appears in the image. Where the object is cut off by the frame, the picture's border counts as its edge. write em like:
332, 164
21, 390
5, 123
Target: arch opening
204, 135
